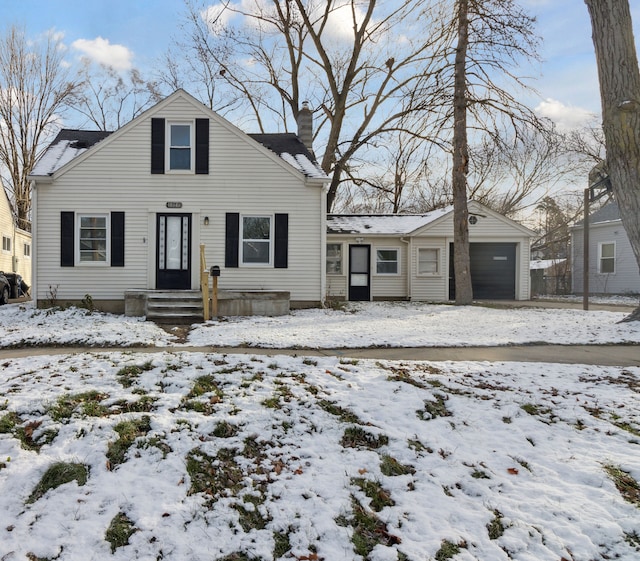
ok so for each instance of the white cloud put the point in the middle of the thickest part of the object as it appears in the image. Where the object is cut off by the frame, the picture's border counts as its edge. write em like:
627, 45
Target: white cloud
566, 117
101, 51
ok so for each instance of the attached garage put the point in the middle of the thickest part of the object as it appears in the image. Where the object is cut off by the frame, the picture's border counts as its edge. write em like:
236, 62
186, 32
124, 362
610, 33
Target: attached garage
493, 271
410, 257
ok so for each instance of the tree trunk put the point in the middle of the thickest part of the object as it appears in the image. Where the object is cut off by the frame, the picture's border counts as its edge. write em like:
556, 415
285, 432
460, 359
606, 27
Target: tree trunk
619, 78
461, 261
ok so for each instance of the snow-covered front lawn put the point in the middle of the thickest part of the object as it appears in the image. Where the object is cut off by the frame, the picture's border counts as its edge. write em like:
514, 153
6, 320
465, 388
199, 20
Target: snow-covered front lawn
208, 456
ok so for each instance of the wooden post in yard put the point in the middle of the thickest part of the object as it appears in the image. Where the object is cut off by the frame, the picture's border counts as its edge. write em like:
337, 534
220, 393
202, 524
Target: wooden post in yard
204, 285
215, 297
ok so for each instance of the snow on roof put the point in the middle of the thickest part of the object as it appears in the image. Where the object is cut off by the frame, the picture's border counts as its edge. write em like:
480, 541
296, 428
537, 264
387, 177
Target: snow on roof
66, 146
544, 263
381, 223
305, 165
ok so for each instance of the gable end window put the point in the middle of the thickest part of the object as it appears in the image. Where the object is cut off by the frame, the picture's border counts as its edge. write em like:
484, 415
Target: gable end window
91, 239
6, 244
607, 258
387, 262
179, 146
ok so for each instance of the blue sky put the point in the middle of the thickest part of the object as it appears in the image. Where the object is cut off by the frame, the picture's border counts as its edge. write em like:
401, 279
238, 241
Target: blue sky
137, 32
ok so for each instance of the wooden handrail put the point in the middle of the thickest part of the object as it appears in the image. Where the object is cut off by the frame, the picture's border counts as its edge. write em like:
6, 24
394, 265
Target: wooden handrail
204, 284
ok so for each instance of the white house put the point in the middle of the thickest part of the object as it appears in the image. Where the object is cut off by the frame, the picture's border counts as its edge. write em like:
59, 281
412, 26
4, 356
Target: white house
613, 268
15, 256
128, 211
382, 257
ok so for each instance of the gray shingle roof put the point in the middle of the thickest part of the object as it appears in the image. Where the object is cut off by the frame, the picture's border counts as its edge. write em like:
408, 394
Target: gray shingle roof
607, 213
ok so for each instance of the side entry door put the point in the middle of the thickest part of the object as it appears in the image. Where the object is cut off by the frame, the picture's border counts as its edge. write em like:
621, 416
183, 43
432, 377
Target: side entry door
173, 232
359, 272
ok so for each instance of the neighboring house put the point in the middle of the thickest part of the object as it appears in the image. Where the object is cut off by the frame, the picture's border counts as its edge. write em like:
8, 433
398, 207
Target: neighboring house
130, 210
15, 255
550, 276
380, 257
613, 268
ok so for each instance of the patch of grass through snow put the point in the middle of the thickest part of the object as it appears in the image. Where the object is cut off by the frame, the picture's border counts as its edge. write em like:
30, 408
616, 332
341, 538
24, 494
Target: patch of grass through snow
343, 414
12, 424
390, 467
625, 483
357, 437
128, 375
378, 496
119, 531
89, 403
448, 550
59, 474
127, 431
434, 409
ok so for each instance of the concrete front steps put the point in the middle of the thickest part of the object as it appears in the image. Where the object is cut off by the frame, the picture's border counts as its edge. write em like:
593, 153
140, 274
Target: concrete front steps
165, 306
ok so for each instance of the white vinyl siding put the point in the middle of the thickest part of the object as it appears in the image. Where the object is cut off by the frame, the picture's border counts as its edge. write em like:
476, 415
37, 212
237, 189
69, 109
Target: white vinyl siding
248, 179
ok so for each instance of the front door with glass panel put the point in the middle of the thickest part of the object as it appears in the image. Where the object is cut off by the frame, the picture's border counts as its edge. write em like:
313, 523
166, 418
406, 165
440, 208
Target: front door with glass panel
359, 273
174, 251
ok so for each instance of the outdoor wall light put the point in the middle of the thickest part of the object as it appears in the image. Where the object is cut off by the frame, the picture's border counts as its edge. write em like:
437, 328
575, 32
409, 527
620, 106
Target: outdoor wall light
206, 220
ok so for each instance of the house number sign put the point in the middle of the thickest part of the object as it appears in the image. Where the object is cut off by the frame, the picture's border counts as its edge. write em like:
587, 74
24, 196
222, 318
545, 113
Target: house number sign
174, 205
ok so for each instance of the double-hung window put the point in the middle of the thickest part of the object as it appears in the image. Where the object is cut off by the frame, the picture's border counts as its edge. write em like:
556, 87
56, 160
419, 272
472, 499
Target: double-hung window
26, 250
6, 244
256, 235
180, 146
607, 257
92, 238
428, 261
334, 258
387, 261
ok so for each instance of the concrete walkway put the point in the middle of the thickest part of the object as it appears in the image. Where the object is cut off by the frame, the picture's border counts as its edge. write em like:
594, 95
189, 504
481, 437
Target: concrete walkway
603, 355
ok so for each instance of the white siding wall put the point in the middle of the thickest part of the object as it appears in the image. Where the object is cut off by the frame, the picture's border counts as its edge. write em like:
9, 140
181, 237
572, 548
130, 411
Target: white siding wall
489, 228
242, 178
382, 285
626, 278
18, 238
434, 288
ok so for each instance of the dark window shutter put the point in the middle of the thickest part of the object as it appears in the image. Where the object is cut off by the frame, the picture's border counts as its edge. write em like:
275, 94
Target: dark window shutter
117, 239
202, 146
281, 250
67, 246
232, 243
157, 145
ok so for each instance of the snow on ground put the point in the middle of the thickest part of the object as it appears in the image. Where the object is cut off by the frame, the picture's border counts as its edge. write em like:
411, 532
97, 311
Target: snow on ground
245, 457
393, 324
206, 456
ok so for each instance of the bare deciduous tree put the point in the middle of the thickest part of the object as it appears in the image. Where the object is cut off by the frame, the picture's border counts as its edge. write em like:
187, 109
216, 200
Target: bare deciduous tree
492, 36
109, 99
343, 56
619, 78
34, 87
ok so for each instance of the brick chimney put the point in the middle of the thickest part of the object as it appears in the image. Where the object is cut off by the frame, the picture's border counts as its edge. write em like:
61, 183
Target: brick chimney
305, 126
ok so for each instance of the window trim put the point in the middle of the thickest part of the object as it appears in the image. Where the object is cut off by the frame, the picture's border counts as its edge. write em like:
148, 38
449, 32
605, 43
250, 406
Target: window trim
78, 228
397, 261
341, 259
271, 240
600, 258
192, 147
438, 271
26, 250
6, 244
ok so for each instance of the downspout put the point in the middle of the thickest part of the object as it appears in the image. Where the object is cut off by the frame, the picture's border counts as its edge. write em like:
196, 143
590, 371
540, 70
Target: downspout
323, 244
409, 265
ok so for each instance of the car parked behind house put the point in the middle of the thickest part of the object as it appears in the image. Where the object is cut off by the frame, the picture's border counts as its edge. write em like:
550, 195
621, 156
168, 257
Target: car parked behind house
5, 289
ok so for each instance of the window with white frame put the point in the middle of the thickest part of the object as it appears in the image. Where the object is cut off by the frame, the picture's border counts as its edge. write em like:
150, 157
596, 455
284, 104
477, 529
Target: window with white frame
26, 250
92, 238
428, 261
387, 262
607, 257
334, 259
180, 146
256, 236
6, 244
